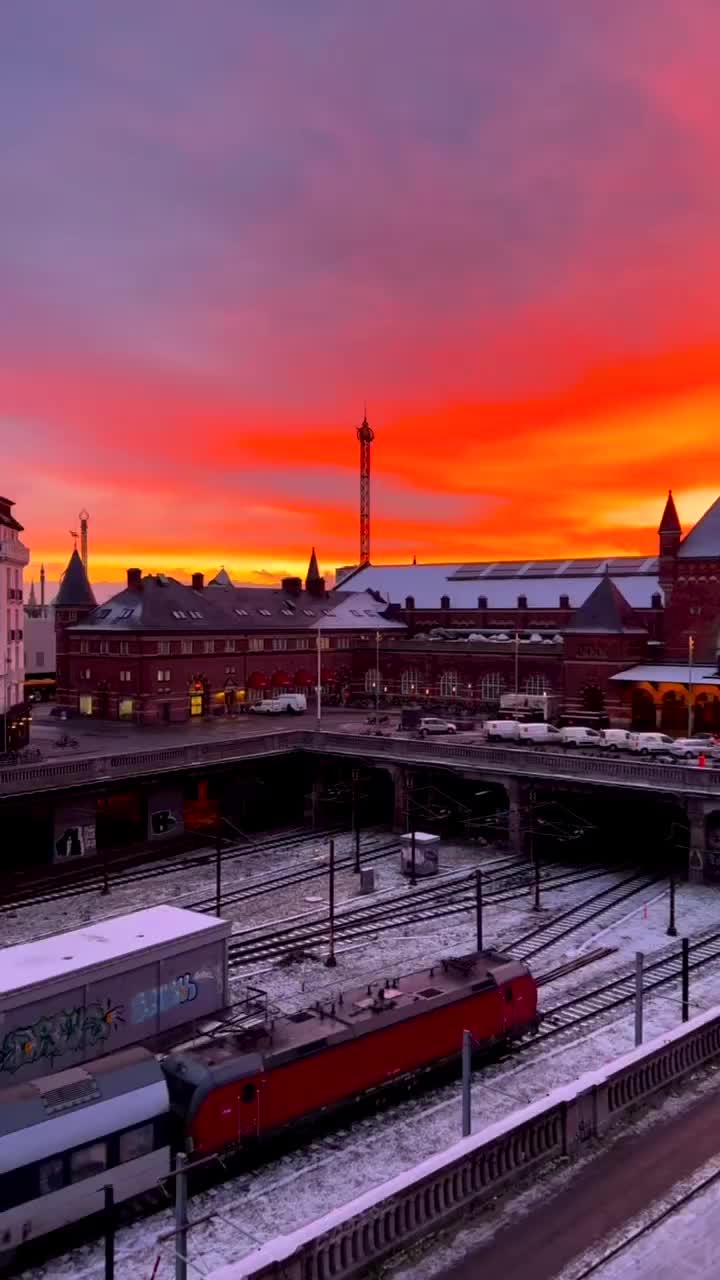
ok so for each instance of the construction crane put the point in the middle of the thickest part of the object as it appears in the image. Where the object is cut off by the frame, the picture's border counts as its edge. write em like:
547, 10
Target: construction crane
365, 435
83, 518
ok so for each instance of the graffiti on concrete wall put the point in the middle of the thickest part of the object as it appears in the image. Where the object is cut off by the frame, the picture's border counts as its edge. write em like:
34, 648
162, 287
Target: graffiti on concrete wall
52, 1035
146, 1005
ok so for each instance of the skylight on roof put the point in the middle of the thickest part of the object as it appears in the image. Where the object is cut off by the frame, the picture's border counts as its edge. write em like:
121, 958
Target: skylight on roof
194, 614
309, 613
242, 613
126, 613
104, 613
265, 613
288, 613
356, 613
179, 613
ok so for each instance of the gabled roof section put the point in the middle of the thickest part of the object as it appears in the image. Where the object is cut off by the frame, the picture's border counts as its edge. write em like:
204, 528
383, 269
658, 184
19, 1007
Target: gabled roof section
360, 611
75, 590
703, 540
222, 578
605, 612
670, 522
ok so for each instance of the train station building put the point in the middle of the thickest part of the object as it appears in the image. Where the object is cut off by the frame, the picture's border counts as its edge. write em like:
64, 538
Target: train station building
625, 640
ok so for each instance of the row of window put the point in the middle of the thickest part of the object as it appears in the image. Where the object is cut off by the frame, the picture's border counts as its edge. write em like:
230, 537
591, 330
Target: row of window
59, 1171
490, 687
256, 644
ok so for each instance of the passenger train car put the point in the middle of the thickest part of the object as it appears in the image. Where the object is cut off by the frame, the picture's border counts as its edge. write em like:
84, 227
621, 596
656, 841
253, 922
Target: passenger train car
64, 1138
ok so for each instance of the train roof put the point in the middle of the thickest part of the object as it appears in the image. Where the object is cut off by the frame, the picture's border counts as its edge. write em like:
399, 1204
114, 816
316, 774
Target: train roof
352, 1014
121, 938
80, 1104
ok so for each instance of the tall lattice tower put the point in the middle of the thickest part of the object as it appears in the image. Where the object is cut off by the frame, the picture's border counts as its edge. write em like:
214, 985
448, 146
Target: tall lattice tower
365, 435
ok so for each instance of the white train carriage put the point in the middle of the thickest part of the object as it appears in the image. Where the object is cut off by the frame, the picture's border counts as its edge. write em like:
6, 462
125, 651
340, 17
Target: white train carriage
65, 1137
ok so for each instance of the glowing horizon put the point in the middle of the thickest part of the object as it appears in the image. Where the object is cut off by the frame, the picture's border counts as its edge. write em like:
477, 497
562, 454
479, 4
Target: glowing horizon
218, 244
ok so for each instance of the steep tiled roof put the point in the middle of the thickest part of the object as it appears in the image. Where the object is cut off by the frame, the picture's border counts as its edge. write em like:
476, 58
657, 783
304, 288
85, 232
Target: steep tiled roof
605, 611
163, 604
703, 540
75, 590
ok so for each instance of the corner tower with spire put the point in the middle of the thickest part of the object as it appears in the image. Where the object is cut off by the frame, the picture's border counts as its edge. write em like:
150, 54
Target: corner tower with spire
74, 601
670, 535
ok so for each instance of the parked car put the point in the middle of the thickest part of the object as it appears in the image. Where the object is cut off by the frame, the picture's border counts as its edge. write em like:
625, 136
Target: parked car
651, 744
502, 730
433, 724
692, 748
292, 703
616, 740
540, 735
578, 735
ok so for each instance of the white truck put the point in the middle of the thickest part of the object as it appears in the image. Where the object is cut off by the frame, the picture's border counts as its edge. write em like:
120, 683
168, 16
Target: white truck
292, 703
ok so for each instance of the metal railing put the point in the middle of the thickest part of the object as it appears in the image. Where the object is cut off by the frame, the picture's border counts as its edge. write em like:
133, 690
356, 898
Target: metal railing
488, 761
353, 1240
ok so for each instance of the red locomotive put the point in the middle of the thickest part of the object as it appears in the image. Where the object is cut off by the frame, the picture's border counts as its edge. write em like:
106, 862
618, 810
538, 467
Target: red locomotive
238, 1088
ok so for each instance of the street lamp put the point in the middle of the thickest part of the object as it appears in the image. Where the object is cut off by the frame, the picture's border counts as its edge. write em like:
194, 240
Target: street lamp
318, 677
691, 653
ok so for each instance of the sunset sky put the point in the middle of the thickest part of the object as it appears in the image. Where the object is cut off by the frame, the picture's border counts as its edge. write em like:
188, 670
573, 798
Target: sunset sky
228, 223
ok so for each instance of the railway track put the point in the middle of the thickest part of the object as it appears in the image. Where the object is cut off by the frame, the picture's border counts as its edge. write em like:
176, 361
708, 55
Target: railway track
91, 878
453, 896
537, 940
611, 995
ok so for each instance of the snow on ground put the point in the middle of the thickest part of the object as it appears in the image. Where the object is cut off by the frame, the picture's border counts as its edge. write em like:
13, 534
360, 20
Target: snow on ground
336, 1167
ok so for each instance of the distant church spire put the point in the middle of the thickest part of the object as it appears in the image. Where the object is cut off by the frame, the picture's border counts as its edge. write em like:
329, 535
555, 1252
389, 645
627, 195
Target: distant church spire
31, 601
313, 572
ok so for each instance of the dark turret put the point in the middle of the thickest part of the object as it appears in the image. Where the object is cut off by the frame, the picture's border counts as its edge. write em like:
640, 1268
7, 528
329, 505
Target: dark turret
670, 534
74, 601
314, 584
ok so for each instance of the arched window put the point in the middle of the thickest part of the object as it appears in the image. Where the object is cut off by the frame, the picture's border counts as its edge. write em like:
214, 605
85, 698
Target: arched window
536, 684
372, 680
409, 602
492, 686
448, 684
409, 683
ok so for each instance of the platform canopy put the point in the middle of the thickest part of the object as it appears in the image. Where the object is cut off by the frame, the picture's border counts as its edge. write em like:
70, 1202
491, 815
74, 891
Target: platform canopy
664, 673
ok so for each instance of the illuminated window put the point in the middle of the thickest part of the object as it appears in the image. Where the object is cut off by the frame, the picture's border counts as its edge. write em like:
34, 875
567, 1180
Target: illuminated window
372, 680
409, 683
492, 686
448, 684
536, 684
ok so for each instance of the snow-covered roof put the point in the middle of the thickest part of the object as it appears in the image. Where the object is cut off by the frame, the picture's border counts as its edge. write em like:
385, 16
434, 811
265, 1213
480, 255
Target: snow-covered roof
359, 611
704, 538
31, 963
428, 583
676, 673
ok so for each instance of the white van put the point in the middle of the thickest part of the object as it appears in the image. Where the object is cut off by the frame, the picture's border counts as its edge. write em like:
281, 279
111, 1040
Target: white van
651, 744
578, 735
616, 740
293, 703
502, 730
540, 735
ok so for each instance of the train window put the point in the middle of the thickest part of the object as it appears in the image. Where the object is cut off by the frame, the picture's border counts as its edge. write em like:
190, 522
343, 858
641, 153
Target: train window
88, 1161
248, 1093
51, 1175
508, 995
135, 1143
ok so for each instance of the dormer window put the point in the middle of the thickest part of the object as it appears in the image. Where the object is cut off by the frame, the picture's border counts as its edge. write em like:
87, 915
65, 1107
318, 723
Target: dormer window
444, 602
657, 600
409, 602
522, 602
482, 602
564, 602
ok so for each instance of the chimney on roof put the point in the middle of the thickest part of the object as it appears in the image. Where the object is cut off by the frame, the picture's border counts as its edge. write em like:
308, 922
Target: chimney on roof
198, 581
292, 586
134, 579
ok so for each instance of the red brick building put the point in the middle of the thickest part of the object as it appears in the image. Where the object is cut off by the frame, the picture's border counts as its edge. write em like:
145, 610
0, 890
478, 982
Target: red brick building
631, 639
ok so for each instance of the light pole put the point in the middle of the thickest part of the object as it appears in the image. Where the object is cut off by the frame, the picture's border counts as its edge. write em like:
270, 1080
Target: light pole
377, 678
691, 654
517, 661
318, 678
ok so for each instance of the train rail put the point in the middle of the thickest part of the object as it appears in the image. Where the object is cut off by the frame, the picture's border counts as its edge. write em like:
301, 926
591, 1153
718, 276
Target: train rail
453, 896
91, 879
537, 940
